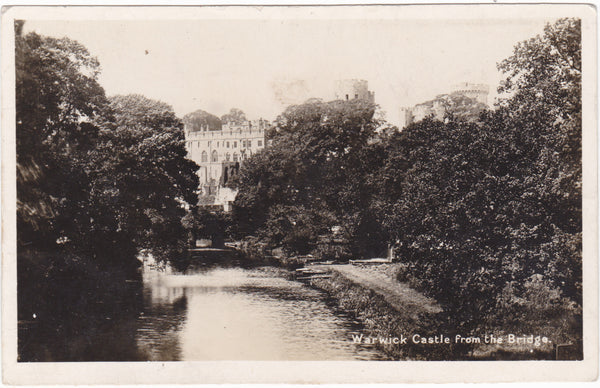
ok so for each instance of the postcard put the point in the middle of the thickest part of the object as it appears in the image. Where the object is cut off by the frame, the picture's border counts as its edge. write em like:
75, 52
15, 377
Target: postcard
299, 194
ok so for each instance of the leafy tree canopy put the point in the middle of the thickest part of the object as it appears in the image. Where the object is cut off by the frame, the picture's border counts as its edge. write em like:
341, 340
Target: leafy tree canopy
543, 76
200, 120
94, 174
487, 215
142, 176
58, 101
312, 167
235, 116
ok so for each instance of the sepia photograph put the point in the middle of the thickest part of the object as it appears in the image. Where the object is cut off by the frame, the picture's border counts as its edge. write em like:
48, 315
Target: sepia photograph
375, 185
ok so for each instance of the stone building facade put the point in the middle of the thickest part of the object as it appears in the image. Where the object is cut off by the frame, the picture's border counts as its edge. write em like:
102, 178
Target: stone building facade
351, 89
219, 154
478, 92
438, 106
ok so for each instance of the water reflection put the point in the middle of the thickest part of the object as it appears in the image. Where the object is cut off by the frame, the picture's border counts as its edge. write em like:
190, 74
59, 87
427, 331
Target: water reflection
241, 314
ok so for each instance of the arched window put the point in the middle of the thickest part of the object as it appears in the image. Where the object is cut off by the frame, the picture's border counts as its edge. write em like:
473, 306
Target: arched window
204, 156
227, 157
235, 157
215, 156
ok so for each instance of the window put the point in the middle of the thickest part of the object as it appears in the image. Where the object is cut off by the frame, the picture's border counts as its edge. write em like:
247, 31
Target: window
204, 156
235, 144
227, 144
260, 143
243, 143
356, 96
346, 97
235, 157
215, 156
217, 144
227, 157
249, 143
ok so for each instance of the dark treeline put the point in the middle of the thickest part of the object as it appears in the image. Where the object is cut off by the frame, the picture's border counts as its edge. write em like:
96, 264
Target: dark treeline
98, 180
485, 214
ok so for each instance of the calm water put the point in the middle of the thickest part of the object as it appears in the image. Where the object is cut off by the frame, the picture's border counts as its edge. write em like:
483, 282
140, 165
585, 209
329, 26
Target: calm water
241, 314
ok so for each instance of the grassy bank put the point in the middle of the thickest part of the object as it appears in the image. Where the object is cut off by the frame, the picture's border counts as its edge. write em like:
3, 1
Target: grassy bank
394, 310
382, 320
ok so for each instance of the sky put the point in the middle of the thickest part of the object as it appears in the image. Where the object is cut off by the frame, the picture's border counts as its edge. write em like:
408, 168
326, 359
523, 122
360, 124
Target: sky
215, 65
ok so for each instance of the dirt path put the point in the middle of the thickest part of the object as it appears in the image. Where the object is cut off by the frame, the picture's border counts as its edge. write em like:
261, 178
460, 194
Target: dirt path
381, 279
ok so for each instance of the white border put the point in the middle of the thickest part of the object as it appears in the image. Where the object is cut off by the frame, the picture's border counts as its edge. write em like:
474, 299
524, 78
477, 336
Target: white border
352, 372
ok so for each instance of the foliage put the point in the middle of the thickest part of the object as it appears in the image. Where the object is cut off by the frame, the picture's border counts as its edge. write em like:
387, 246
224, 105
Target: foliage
94, 176
488, 214
455, 106
308, 180
97, 181
545, 72
141, 177
58, 101
235, 116
205, 224
200, 120
461, 108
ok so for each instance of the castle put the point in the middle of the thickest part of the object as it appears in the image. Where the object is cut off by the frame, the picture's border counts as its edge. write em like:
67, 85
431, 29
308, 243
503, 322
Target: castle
220, 152
350, 89
219, 149
438, 107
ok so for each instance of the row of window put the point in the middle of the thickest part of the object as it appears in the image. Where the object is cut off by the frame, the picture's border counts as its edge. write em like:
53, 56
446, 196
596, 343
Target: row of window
215, 157
234, 144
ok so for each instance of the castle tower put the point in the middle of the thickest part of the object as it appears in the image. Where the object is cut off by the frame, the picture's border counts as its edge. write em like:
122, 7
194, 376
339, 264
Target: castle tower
351, 89
478, 92
406, 116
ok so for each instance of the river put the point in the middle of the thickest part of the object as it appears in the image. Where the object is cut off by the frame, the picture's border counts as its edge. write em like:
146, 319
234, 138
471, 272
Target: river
204, 313
242, 314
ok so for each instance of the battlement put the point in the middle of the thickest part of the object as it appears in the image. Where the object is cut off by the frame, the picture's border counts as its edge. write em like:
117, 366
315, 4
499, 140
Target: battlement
478, 92
247, 128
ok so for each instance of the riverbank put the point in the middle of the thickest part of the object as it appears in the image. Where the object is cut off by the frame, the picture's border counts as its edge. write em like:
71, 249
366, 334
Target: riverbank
391, 309
387, 308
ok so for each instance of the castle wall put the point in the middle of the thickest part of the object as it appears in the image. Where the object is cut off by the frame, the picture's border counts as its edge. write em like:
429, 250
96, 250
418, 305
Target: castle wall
212, 150
477, 92
351, 89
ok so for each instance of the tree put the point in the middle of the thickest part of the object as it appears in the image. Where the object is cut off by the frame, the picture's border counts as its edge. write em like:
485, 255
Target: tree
313, 170
543, 85
543, 76
97, 181
92, 174
235, 116
200, 120
461, 107
205, 224
58, 101
489, 213
142, 180
455, 106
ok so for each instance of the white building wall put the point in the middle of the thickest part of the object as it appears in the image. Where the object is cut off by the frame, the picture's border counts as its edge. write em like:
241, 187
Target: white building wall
231, 143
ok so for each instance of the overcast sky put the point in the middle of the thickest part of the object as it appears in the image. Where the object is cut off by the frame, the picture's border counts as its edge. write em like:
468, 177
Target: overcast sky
218, 64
